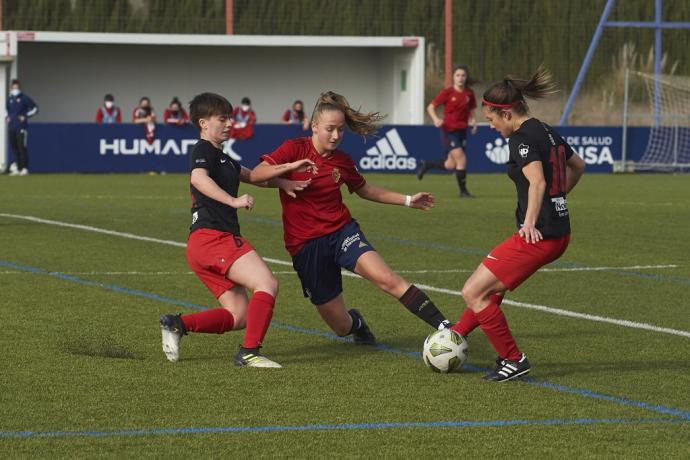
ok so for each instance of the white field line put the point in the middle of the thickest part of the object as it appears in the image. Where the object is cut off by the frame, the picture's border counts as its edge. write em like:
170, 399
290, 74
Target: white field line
542, 308
289, 272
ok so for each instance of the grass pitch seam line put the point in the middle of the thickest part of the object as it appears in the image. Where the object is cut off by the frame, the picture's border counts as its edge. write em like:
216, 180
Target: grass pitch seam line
382, 347
542, 308
340, 426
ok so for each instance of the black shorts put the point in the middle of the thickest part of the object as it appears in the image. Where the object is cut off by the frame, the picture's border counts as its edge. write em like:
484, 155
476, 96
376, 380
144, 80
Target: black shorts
319, 262
454, 139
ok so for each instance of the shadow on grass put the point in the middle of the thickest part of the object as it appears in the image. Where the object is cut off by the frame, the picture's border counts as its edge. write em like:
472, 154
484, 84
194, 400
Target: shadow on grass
101, 347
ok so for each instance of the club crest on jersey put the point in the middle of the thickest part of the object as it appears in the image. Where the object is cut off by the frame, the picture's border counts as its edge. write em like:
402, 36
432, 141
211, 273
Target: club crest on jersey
523, 150
336, 175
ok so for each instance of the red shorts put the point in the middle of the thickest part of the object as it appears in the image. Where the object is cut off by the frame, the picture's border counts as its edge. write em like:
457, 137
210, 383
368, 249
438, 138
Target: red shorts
514, 260
211, 253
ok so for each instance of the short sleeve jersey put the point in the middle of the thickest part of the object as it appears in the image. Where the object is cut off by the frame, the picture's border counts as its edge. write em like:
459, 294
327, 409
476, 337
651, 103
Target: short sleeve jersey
537, 141
224, 171
457, 107
318, 210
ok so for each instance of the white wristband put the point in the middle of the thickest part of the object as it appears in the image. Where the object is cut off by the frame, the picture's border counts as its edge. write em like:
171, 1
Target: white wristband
408, 200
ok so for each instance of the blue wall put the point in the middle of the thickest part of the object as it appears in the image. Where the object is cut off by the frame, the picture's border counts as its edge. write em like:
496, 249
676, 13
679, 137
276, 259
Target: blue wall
87, 147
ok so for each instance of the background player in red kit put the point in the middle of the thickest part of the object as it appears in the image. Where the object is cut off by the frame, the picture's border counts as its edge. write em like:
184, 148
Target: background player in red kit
458, 103
321, 235
222, 259
544, 169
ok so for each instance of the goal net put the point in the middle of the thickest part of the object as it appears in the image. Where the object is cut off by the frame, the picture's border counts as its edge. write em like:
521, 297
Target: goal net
668, 147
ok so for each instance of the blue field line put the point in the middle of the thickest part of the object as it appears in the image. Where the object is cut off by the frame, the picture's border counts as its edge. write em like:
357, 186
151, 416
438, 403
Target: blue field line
340, 426
683, 414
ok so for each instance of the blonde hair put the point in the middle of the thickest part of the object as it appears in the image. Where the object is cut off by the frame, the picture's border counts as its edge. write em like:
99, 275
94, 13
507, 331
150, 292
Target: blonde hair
361, 123
511, 92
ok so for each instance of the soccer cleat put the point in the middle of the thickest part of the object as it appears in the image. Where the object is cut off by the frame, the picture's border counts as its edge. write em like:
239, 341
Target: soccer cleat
466, 195
172, 330
422, 170
509, 370
254, 360
361, 333
445, 324
24, 172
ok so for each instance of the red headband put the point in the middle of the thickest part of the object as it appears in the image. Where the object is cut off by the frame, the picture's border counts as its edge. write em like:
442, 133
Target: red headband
500, 106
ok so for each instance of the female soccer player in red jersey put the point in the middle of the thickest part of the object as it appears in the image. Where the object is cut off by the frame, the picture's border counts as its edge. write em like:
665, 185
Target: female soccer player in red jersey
544, 169
458, 109
222, 259
321, 235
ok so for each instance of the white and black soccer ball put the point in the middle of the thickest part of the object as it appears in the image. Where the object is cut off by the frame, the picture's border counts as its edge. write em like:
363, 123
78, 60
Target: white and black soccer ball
444, 351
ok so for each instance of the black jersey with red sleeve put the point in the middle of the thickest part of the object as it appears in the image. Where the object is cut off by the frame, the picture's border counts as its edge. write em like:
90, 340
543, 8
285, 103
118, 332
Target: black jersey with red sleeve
537, 141
224, 171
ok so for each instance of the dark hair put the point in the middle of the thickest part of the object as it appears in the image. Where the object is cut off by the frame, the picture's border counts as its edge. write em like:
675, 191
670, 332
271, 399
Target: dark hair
15, 82
144, 98
358, 122
175, 100
109, 97
470, 81
510, 93
300, 113
245, 100
206, 105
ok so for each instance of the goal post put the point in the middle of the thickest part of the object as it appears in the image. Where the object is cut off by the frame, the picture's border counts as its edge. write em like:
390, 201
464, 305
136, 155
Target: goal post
661, 102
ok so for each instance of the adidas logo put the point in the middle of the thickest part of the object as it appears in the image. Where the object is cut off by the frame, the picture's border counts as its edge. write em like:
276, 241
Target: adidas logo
498, 151
389, 153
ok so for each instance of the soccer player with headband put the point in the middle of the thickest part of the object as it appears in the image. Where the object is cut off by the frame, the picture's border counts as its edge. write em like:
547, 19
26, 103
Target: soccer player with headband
320, 233
544, 169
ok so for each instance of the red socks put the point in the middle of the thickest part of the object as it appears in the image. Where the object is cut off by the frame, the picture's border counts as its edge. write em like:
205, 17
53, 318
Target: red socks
219, 320
214, 321
494, 325
259, 314
469, 322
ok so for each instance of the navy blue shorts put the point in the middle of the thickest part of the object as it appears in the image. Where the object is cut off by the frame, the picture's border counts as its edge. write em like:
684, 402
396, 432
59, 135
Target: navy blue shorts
319, 262
454, 139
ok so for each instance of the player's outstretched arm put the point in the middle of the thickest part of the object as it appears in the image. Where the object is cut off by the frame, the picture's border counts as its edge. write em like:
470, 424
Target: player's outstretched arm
421, 200
291, 187
266, 171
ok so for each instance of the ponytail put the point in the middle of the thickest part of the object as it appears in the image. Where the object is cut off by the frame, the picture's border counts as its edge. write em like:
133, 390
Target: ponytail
511, 92
361, 123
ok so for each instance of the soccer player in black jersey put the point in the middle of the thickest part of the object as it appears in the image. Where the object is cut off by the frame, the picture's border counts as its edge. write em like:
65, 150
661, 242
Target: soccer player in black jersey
544, 169
222, 259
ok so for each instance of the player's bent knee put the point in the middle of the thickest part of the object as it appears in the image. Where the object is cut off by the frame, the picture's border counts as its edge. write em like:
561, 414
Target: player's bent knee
268, 285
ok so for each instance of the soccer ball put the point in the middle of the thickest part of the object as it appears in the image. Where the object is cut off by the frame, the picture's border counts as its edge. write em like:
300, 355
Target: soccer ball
444, 351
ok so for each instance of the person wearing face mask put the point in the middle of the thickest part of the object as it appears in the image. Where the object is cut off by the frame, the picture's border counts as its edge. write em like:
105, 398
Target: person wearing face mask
244, 119
108, 113
295, 115
175, 114
144, 114
20, 108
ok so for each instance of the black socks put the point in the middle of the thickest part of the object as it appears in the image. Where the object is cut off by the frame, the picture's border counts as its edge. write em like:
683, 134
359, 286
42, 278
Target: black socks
422, 307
